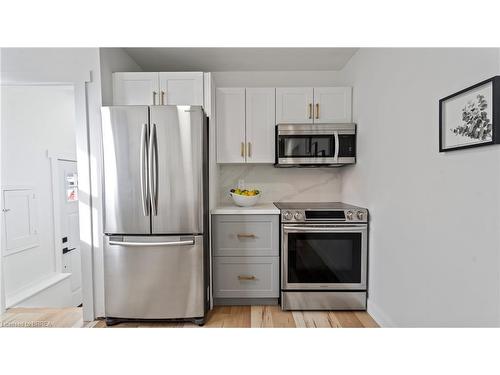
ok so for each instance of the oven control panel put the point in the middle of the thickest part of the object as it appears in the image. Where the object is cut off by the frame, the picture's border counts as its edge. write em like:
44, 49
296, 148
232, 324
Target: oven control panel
339, 216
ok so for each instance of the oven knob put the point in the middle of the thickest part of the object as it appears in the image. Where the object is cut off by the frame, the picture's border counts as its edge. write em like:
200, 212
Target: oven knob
349, 215
287, 215
360, 215
298, 215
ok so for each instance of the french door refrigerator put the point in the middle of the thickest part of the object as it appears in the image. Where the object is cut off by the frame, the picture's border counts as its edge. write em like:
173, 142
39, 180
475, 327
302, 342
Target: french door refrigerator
155, 212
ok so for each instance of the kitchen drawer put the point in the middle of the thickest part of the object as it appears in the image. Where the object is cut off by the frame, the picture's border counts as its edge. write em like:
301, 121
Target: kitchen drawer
246, 277
245, 235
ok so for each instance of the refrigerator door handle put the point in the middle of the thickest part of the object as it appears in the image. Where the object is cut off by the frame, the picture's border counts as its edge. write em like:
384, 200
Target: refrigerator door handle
171, 243
144, 171
153, 170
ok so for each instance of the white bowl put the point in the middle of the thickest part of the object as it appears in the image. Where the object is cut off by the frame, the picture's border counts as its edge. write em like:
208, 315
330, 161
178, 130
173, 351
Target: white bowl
243, 200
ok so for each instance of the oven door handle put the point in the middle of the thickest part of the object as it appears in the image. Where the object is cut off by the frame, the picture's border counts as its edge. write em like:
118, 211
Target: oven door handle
333, 228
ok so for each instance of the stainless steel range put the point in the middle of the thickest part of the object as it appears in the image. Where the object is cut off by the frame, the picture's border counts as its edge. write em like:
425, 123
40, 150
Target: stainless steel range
323, 256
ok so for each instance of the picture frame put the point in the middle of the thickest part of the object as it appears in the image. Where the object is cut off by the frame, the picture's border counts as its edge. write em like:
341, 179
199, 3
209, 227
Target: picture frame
470, 117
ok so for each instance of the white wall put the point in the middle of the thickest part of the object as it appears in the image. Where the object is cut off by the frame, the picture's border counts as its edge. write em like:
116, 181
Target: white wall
35, 119
77, 65
287, 184
434, 238
114, 60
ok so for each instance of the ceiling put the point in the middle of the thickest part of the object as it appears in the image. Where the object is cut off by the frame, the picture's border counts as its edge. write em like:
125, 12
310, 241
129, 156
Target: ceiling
240, 59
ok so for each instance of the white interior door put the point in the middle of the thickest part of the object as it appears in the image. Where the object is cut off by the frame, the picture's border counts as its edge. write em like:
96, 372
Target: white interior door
230, 114
69, 224
135, 88
332, 105
181, 88
260, 124
294, 105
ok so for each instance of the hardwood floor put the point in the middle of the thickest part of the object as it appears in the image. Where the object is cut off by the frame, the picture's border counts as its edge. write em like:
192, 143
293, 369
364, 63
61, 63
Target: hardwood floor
219, 317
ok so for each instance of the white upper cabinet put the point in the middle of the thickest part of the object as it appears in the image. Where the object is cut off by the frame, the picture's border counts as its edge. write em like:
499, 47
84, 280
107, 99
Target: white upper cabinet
260, 125
294, 105
332, 105
153, 88
181, 88
230, 114
135, 88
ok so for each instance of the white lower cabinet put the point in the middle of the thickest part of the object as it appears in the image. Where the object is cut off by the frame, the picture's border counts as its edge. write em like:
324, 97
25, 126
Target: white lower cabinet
248, 269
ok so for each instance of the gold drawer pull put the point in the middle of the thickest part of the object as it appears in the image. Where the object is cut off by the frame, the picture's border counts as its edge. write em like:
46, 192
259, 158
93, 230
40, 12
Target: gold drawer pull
317, 111
310, 110
246, 277
246, 235
242, 149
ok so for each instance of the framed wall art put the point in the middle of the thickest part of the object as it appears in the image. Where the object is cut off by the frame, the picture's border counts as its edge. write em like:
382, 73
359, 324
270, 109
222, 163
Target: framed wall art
470, 117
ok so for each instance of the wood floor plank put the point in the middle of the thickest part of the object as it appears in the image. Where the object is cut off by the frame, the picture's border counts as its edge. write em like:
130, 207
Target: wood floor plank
271, 316
366, 319
315, 319
220, 316
347, 319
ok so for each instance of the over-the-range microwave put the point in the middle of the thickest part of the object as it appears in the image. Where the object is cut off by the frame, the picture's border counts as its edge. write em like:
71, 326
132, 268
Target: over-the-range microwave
315, 145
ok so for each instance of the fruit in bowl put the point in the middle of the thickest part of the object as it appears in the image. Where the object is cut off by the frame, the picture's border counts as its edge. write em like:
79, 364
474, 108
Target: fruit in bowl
244, 197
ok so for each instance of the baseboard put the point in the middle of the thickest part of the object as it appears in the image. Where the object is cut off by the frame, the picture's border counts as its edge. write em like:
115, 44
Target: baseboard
23, 296
379, 315
244, 301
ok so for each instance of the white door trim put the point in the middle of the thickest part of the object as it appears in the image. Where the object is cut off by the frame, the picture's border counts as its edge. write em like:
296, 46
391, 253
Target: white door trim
83, 157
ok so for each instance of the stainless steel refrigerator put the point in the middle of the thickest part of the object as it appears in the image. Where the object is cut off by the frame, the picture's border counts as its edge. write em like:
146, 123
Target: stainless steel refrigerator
155, 212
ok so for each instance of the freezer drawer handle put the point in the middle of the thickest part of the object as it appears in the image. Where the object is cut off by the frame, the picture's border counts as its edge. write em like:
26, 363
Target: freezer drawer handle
171, 243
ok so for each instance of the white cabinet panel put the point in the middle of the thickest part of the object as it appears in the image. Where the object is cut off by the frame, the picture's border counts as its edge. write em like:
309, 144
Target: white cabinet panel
181, 88
20, 220
230, 114
135, 88
294, 105
332, 105
260, 125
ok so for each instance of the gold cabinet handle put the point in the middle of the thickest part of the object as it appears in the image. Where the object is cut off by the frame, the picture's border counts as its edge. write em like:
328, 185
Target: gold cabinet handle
317, 110
310, 111
242, 149
162, 97
246, 235
246, 277
154, 97
249, 150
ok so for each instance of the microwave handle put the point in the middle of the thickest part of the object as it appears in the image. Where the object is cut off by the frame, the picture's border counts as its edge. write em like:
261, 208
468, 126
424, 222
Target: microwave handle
336, 154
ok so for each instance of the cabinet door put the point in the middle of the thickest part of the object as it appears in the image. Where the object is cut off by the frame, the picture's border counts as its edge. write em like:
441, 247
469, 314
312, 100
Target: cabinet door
260, 124
332, 105
230, 109
294, 105
135, 88
181, 88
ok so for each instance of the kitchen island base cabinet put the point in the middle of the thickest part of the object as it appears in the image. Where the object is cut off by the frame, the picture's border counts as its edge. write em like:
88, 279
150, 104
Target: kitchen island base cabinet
246, 259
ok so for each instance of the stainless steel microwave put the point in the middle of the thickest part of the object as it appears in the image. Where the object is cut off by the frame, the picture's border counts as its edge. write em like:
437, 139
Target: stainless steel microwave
315, 145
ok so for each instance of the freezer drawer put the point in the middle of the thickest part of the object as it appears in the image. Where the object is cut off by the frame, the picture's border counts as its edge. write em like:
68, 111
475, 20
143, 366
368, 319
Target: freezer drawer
154, 277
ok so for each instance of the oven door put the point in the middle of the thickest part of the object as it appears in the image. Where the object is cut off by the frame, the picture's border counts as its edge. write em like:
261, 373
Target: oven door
324, 256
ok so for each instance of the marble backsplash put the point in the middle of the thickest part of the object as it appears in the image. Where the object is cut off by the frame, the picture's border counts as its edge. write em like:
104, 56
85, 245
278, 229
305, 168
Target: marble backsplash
282, 184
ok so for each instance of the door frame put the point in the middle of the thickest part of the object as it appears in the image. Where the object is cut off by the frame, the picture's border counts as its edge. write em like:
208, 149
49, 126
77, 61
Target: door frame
86, 205
56, 194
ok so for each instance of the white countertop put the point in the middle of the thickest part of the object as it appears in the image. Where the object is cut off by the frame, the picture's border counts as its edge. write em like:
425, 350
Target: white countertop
258, 209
